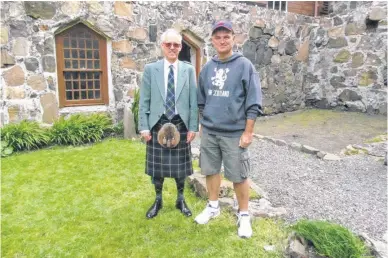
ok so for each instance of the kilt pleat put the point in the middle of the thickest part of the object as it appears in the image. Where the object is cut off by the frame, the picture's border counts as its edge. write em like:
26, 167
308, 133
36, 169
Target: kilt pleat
164, 162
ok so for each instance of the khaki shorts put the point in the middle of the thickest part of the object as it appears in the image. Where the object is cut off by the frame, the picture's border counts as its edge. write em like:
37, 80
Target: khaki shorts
218, 149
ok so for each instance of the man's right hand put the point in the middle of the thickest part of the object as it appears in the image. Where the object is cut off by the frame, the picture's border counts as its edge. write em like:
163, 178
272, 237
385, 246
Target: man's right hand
146, 135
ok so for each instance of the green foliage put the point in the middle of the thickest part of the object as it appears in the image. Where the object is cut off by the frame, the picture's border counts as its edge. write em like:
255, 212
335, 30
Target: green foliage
80, 128
26, 135
6, 150
330, 239
135, 108
118, 129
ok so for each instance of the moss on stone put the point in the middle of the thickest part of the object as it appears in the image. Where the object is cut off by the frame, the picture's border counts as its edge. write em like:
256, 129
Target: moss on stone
357, 59
342, 57
367, 78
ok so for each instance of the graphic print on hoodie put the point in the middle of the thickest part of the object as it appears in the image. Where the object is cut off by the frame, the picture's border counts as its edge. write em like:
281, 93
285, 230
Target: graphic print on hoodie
229, 93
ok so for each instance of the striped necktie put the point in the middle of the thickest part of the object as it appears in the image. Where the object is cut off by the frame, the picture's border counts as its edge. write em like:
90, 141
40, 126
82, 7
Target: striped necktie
170, 98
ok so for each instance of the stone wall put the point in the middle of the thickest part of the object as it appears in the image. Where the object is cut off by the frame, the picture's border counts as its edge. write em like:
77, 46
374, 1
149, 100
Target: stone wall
333, 61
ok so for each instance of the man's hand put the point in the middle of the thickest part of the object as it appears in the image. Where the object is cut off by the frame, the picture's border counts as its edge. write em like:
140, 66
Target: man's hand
246, 139
146, 135
190, 137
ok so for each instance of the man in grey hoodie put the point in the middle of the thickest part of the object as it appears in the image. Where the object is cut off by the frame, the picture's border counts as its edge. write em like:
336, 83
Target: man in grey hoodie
229, 100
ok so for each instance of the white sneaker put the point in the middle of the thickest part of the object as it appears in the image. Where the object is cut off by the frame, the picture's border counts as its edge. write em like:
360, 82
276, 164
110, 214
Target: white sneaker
208, 213
244, 226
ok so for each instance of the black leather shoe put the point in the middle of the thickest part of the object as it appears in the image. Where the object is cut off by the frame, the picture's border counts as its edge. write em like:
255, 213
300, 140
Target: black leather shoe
182, 206
154, 209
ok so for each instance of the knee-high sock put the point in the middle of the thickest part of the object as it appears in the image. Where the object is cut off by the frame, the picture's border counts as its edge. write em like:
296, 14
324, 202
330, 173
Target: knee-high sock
180, 186
158, 182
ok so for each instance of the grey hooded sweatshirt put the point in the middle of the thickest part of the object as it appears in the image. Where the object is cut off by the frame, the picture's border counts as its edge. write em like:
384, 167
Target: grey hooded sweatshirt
229, 93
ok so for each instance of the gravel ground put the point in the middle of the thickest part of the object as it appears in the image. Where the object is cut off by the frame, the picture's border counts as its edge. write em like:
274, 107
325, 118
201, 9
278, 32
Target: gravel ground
351, 192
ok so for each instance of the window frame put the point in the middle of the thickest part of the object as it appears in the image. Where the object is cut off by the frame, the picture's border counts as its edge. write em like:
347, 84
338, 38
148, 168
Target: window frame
59, 44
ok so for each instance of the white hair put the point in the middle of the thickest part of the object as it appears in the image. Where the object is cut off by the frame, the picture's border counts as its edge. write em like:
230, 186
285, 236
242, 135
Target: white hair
171, 35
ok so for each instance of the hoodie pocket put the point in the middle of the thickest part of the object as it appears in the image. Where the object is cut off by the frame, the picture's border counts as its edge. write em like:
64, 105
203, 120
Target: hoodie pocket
219, 116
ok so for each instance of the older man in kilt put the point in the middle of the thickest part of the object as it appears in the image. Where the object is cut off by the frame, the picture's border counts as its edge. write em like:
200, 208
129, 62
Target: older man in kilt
168, 96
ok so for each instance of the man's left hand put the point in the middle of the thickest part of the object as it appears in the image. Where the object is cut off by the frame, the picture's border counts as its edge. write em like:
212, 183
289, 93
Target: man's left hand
190, 136
245, 139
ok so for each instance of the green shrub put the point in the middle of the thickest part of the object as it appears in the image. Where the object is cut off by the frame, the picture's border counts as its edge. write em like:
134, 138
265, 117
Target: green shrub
80, 128
6, 150
26, 135
330, 239
118, 129
135, 109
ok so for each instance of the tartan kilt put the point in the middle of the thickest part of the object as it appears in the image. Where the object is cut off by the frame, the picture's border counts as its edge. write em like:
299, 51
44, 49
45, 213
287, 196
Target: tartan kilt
165, 162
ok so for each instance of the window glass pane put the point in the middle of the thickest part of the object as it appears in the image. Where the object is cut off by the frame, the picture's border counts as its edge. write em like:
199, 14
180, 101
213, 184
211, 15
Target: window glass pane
90, 75
96, 54
66, 42
96, 75
75, 85
83, 76
82, 64
277, 5
73, 43
87, 35
80, 34
83, 94
68, 85
83, 85
88, 43
67, 75
66, 53
90, 84
75, 64
97, 64
76, 94
90, 94
81, 43
283, 5
74, 53
69, 95
89, 54
97, 84
67, 63
97, 94
75, 75
90, 64
270, 4
95, 44
82, 53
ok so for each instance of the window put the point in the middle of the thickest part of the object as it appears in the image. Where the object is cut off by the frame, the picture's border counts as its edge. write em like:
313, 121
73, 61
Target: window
278, 5
82, 67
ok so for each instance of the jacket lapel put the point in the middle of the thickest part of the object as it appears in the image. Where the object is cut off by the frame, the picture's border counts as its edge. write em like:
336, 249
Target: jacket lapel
160, 78
182, 76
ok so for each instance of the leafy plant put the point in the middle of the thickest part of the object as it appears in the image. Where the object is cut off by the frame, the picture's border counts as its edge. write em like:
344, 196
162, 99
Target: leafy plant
80, 128
330, 239
6, 150
135, 108
26, 135
118, 129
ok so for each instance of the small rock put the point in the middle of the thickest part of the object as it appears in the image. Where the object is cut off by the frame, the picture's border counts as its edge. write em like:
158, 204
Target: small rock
195, 152
297, 250
258, 136
296, 146
280, 142
330, 156
321, 154
309, 149
226, 202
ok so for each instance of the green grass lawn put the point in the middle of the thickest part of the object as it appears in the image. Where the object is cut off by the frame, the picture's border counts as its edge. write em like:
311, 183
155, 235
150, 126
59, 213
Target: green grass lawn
90, 201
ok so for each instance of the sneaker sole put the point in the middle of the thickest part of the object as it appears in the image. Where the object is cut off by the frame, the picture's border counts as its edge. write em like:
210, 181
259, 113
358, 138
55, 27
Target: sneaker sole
215, 216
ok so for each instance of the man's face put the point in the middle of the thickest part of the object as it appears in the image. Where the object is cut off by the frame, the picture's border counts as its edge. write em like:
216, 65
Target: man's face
223, 41
171, 48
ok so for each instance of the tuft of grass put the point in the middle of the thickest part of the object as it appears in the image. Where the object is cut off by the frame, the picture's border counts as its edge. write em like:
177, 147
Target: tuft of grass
331, 240
91, 200
26, 135
379, 138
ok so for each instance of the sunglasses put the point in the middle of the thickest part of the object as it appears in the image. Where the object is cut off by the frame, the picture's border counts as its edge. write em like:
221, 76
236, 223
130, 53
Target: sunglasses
175, 45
